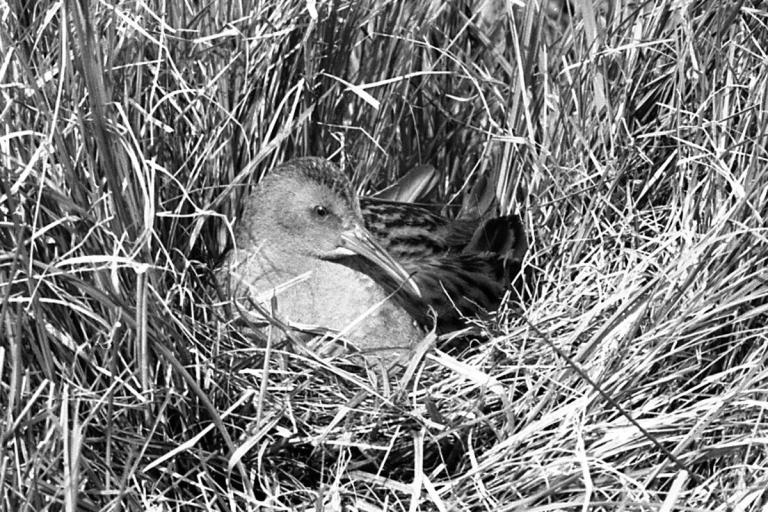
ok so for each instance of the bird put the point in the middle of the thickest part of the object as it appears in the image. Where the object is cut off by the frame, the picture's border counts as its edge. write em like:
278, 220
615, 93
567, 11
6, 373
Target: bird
379, 272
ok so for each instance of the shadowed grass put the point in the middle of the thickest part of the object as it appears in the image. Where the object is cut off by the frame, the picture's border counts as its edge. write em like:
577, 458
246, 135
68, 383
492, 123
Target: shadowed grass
631, 136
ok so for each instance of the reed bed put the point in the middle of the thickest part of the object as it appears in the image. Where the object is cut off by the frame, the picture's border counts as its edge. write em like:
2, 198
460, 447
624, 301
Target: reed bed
629, 135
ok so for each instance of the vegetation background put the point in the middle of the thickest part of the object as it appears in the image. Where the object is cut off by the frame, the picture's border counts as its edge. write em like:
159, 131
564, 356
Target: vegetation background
630, 134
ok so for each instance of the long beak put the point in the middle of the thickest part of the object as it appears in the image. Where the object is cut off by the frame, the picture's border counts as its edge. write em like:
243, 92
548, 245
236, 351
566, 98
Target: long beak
359, 241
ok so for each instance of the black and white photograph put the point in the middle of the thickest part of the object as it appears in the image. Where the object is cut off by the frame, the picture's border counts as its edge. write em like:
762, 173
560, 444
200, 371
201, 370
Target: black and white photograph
384, 255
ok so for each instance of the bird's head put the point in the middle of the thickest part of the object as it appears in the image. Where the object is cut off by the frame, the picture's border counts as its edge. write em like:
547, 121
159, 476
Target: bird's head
307, 208
302, 207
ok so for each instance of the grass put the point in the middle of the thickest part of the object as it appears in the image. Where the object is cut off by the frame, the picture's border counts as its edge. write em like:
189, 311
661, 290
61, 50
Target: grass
631, 136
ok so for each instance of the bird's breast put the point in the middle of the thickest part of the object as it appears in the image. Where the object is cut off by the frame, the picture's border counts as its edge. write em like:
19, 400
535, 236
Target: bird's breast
324, 294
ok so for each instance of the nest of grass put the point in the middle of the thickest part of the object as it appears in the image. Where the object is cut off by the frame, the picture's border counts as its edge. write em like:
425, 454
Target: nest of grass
631, 137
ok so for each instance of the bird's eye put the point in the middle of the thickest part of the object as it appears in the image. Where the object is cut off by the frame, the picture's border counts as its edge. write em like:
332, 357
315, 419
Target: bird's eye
321, 211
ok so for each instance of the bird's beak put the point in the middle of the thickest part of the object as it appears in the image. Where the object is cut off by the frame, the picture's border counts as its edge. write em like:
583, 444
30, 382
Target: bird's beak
359, 241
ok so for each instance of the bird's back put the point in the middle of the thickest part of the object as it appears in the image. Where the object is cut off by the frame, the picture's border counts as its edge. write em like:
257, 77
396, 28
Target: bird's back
463, 267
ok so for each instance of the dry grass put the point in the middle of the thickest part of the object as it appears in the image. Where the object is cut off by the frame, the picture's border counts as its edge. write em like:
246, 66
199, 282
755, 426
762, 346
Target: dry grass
631, 136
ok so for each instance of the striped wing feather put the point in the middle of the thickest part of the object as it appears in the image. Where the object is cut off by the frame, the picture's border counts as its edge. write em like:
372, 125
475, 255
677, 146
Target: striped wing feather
462, 267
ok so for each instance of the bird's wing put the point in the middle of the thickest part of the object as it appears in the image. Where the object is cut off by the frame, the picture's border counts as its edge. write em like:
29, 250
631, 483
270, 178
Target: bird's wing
460, 285
405, 230
410, 231
452, 285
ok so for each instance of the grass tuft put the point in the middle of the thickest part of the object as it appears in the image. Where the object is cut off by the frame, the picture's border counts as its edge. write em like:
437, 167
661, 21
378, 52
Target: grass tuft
632, 137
